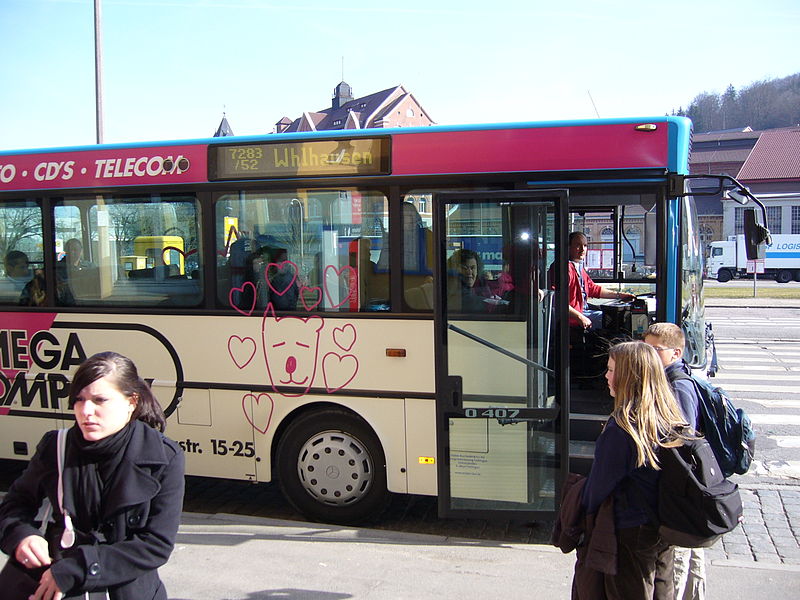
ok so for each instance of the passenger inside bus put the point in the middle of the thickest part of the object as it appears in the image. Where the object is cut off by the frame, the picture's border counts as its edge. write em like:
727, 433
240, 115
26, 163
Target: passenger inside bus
17, 268
66, 270
468, 287
34, 294
17, 276
20, 286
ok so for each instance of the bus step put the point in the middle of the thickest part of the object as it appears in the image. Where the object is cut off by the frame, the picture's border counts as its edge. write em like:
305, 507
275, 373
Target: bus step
586, 427
581, 450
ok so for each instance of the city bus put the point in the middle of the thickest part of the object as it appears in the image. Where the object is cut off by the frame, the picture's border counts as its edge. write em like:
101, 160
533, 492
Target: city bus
351, 313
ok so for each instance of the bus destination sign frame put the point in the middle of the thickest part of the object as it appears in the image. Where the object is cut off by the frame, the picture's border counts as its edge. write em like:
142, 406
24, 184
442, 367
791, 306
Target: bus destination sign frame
285, 160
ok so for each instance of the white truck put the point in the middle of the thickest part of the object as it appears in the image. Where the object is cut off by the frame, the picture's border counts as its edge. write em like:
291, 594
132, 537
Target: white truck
728, 260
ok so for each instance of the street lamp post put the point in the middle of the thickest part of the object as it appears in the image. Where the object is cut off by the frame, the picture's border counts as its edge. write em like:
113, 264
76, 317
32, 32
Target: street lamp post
98, 72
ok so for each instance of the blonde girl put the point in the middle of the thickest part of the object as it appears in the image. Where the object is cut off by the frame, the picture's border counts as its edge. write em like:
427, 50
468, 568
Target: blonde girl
625, 467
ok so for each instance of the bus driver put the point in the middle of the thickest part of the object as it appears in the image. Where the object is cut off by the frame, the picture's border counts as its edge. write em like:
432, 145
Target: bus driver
581, 287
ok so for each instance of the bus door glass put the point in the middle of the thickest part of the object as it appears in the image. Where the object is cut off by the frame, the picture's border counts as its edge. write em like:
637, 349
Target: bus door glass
500, 399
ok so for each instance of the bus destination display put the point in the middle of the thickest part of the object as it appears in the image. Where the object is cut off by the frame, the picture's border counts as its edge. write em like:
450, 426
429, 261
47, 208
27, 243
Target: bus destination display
354, 156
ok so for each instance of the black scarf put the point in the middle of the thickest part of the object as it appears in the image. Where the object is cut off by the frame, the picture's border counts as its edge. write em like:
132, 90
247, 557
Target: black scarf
89, 470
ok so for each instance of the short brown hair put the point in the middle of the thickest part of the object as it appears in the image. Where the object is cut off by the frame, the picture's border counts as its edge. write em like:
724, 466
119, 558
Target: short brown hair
669, 333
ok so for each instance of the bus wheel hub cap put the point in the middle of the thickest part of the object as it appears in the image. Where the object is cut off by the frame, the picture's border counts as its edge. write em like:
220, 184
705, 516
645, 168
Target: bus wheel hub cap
335, 468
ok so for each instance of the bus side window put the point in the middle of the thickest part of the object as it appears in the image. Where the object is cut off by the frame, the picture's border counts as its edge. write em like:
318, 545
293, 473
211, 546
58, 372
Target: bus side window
304, 250
21, 256
128, 251
417, 260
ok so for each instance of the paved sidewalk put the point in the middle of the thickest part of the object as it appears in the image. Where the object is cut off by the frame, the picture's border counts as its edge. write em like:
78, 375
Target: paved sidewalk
231, 557
770, 532
220, 557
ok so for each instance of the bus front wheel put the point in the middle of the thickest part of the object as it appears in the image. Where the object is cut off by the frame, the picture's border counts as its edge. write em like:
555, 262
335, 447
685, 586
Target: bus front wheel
723, 275
332, 468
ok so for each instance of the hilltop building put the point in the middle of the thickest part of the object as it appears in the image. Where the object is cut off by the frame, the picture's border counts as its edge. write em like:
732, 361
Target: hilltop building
393, 107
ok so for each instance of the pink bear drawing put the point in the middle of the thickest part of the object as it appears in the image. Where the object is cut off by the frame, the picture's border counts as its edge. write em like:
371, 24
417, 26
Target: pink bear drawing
290, 350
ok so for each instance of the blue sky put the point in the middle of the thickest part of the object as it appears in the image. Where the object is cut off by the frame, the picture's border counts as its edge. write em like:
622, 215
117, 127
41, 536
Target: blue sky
171, 67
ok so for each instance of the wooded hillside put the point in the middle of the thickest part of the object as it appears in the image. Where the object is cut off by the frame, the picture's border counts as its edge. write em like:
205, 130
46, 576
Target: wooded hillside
764, 104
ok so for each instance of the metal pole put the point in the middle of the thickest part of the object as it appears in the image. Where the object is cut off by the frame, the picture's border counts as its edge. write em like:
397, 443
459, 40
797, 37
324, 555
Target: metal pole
98, 72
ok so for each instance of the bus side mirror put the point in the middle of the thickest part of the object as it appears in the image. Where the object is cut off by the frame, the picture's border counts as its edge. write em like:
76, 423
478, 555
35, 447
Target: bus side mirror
756, 236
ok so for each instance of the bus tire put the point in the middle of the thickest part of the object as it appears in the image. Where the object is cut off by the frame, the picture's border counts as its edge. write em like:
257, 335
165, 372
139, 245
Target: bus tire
332, 468
783, 276
724, 275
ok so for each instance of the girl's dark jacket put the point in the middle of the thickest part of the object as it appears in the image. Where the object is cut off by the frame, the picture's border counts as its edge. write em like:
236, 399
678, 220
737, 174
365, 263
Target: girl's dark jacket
141, 514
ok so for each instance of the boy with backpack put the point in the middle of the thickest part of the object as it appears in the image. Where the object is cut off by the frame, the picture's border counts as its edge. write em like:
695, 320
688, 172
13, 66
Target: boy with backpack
682, 569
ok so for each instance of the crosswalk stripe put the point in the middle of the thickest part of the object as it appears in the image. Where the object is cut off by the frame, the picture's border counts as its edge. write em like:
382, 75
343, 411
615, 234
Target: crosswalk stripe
784, 377
786, 441
774, 419
755, 321
741, 387
757, 355
749, 352
783, 403
757, 362
776, 468
724, 341
784, 325
757, 350
728, 366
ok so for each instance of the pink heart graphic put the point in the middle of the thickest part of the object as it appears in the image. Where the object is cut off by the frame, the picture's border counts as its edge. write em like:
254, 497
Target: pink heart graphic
241, 350
280, 266
258, 411
249, 312
317, 292
345, 337
352, 282
338, 371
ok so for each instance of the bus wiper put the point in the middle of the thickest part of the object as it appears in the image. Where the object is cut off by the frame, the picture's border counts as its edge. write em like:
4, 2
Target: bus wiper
497, 348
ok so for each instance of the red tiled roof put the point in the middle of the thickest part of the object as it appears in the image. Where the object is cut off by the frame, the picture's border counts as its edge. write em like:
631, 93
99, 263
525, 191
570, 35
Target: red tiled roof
776, 155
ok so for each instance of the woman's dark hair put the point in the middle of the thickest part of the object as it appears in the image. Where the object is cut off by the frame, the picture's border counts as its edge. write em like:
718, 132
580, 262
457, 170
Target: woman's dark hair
460, 257
122, 372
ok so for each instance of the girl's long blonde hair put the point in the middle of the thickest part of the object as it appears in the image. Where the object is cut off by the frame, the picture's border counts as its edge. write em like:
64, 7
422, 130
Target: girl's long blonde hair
644, 404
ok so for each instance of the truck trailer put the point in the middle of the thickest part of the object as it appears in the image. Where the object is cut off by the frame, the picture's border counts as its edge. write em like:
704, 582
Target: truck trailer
728, 260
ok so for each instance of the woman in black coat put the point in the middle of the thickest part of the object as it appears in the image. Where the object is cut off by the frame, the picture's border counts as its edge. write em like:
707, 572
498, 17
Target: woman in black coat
123, 492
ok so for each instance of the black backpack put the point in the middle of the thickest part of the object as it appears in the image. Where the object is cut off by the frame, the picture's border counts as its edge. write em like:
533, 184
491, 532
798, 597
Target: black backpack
727, 428
696, 503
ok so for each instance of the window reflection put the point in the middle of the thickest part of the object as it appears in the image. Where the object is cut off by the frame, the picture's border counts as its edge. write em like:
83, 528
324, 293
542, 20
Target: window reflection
302, 250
